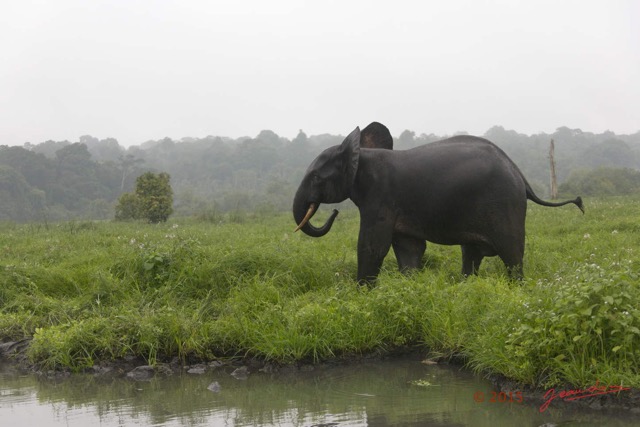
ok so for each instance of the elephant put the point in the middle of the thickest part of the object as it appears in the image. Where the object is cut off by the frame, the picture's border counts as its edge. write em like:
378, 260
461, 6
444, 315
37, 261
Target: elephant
462, 191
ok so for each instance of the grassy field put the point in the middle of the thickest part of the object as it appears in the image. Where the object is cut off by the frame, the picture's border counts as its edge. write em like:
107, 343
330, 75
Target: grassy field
91, 291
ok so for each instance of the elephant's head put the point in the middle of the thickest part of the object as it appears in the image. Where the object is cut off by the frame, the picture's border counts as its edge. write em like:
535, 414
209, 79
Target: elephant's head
328, 179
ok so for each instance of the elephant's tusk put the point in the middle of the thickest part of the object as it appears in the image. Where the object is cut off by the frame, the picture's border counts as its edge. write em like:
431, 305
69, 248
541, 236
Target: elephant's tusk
310, 212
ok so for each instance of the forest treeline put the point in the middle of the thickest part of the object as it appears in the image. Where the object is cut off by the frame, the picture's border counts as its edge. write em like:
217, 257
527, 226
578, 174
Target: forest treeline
62, 180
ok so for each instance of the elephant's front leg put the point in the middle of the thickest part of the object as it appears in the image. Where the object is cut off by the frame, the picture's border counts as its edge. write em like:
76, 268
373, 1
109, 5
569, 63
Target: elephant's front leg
374, 242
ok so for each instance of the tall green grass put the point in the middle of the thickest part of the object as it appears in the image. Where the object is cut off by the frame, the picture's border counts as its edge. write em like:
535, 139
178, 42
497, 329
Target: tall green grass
190, 289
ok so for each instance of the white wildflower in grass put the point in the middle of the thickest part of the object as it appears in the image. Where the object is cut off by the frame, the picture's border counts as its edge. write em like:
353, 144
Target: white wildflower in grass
586, 236
614, 232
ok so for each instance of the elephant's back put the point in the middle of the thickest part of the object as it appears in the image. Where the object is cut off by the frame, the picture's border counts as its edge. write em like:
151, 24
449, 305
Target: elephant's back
457, 147
461, 165
452, 152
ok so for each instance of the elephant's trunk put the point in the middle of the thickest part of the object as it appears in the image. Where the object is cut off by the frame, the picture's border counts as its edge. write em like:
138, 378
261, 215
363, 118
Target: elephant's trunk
302, 213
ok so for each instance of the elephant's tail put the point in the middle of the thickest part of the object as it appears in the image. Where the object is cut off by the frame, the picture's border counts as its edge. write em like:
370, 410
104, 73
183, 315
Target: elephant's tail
534, 198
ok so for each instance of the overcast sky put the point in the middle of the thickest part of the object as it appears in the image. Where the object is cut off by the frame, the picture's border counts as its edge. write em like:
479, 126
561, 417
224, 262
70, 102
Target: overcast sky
137, 70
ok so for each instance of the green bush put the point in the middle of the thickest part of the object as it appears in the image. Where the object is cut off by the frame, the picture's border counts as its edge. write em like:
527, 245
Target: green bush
605, 181
152, 200
580, 326
128, 207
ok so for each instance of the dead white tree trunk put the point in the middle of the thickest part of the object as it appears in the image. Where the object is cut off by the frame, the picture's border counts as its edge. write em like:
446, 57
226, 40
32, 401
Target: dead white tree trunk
554, 182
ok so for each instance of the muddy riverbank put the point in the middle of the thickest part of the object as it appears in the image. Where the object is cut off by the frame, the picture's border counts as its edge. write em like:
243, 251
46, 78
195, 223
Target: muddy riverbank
598, 398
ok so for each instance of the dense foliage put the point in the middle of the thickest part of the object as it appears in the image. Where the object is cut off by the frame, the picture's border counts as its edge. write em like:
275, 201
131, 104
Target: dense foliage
128, 207
241, 286
152, 200
214, 175
603, 181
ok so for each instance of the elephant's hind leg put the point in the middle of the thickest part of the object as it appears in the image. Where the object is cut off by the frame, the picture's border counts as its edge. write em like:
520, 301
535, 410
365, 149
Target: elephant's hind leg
512, 257
471, 258
409, 252
514, 266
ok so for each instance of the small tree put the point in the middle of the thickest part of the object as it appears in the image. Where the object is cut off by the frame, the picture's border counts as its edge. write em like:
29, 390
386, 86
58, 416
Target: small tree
127, 207
152, 200
155, 195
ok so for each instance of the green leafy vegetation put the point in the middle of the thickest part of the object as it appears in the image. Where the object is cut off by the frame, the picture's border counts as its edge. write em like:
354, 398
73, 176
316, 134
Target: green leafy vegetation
604, 181
89, 291
152, 200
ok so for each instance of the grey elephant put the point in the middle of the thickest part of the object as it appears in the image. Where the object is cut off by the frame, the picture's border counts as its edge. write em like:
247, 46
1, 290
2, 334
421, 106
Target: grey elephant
459, 191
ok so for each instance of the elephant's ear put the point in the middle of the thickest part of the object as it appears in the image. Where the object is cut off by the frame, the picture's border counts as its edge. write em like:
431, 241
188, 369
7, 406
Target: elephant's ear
351, 147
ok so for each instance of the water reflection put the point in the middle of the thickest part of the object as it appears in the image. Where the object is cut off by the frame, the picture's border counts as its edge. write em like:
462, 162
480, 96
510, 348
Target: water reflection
388, 393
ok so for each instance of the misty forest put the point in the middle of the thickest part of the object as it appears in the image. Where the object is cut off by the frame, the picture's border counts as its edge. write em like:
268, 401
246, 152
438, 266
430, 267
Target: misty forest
211, 176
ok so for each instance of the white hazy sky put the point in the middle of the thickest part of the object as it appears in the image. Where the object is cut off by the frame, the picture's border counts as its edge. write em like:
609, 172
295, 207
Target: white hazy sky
137, 70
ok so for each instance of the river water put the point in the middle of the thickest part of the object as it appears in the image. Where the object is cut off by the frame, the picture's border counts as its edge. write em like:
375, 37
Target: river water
398, 392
